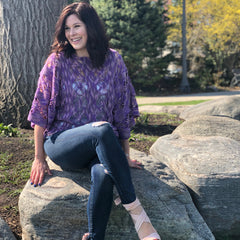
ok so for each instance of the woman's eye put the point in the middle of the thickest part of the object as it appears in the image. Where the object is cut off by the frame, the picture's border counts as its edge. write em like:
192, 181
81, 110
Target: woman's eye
77, 26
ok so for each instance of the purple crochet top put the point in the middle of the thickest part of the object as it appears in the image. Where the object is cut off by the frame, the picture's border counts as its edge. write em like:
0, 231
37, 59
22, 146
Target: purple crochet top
71, 93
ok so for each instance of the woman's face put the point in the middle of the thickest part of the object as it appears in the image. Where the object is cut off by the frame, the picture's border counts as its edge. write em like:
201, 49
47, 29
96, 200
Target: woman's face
76, 34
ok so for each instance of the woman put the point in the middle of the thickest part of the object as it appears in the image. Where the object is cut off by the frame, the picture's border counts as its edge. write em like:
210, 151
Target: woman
82, 112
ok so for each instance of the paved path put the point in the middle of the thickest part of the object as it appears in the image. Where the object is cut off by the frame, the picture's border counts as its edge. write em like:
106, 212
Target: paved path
188, 97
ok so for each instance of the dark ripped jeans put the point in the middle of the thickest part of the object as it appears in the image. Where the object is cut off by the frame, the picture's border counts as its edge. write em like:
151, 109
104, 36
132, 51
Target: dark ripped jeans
99, 148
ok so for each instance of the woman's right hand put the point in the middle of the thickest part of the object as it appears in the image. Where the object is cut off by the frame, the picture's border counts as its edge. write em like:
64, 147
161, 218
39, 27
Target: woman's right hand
39, 169
39, 166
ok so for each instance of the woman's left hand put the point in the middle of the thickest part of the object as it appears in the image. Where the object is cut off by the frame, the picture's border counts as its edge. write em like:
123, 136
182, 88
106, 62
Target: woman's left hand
131, 162
134, 163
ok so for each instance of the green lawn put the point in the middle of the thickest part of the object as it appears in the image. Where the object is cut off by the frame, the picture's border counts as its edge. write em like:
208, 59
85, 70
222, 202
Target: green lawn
193, 102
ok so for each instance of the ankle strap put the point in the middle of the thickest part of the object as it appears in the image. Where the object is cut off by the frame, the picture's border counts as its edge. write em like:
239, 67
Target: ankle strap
132, 205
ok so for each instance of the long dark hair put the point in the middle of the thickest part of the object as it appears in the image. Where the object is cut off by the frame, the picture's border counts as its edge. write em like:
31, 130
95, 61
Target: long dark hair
97, 41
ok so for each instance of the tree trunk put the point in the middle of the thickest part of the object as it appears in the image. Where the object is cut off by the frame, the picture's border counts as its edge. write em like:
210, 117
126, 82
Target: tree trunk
26, 32
184, 87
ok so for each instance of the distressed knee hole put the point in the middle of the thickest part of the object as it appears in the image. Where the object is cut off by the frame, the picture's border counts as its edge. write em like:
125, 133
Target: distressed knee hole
96, 124
105, 170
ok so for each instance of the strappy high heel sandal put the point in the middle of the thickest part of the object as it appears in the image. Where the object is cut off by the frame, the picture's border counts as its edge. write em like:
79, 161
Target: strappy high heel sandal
141, 221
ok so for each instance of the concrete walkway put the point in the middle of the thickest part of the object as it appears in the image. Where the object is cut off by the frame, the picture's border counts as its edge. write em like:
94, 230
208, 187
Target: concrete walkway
187, 97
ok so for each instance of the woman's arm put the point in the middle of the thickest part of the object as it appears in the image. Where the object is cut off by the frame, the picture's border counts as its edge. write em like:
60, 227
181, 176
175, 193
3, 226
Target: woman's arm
132, 162
39, 166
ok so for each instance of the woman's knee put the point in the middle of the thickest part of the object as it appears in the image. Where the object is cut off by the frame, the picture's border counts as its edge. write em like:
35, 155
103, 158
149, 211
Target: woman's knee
103, 128
96, 124
100, 174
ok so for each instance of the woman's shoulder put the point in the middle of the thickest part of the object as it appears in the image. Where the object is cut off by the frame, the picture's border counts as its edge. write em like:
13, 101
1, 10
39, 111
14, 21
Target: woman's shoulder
53, 61
114, 53
115, 56
57, 60
58, 56
54, 57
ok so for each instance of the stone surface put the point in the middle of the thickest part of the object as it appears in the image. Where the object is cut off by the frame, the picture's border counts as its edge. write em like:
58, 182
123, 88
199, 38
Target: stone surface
210, 167
5, 232
176, 110
227, 106
210, 126
57, 210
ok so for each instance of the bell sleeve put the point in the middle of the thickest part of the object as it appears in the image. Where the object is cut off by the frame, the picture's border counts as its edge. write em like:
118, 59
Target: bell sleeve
126, 108
43, 107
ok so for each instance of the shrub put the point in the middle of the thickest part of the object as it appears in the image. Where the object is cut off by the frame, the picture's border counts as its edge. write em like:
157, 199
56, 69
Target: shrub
8, 130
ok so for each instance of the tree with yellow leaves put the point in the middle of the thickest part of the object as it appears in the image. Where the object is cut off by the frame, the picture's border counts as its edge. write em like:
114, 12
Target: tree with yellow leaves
220, 24
213, 31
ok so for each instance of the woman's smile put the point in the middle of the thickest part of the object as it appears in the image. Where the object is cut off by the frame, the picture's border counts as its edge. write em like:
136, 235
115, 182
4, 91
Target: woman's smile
76, 34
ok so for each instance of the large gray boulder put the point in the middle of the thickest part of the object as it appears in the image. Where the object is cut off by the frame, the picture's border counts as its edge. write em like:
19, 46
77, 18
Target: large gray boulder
227, 106
57, 210
5, 232
175, 110
210, 167
210, 126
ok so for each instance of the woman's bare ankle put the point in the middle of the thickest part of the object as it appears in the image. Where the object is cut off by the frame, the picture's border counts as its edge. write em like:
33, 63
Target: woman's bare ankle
141, 221
85, 236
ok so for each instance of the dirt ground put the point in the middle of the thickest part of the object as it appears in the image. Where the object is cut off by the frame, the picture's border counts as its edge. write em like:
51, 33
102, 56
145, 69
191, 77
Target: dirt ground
16, 150
19, 152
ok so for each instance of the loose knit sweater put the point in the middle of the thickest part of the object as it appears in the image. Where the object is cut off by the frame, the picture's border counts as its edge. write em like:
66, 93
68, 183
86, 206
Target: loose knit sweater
72, 93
